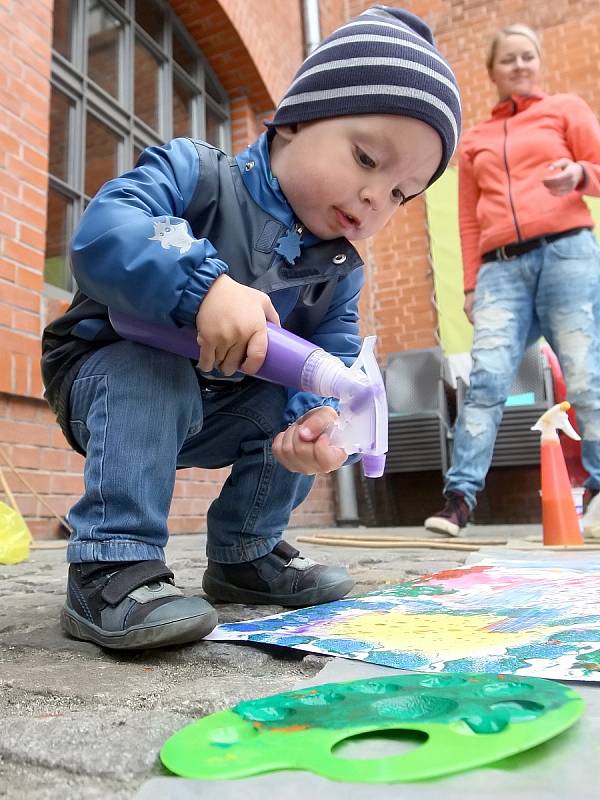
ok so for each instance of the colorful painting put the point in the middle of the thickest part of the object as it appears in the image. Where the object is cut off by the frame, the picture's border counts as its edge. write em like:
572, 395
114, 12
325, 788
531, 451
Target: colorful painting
520, 618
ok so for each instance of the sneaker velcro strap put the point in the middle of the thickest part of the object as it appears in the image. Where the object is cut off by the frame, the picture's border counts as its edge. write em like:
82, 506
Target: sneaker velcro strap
285, 551
121, 583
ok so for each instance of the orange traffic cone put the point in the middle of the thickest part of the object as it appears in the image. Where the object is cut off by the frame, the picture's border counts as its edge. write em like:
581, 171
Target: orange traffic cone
559, 518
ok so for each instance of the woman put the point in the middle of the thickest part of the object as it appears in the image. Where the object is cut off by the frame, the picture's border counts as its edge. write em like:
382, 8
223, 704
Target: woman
531, 262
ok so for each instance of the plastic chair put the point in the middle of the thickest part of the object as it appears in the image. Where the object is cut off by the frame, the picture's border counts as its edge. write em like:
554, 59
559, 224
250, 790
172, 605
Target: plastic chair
419, 422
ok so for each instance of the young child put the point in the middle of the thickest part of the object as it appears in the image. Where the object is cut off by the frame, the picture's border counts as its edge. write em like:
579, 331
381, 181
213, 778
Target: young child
194, 237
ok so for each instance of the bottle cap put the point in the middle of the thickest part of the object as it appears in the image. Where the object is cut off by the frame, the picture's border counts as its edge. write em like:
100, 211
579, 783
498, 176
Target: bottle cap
373, 465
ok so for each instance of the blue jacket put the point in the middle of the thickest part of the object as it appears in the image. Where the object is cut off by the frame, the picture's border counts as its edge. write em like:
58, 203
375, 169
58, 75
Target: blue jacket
119, 259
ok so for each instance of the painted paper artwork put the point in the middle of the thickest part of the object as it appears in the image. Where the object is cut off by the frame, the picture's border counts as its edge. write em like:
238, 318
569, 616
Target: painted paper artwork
520, 618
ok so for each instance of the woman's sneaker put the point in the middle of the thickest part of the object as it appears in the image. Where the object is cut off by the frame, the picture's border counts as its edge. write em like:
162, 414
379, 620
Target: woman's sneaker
132, 605
282, 577
452, 518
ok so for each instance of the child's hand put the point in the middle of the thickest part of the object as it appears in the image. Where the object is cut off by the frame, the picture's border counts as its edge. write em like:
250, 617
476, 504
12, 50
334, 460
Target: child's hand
304, 446
564, 176
231, 325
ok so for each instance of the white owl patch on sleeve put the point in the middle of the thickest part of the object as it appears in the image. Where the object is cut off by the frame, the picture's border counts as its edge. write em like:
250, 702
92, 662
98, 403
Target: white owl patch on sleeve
172, 235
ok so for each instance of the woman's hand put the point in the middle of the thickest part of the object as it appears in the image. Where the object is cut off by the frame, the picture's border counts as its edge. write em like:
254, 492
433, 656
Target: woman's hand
568, 175
304, 446
232, 327
468, 306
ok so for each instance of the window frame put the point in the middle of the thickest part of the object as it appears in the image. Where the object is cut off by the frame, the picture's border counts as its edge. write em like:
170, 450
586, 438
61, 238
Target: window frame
71, 78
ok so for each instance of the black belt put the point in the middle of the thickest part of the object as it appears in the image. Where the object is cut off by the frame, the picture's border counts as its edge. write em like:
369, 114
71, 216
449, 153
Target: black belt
509, 251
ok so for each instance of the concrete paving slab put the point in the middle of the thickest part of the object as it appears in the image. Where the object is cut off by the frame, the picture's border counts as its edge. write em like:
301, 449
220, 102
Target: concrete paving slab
78, 722
563, 767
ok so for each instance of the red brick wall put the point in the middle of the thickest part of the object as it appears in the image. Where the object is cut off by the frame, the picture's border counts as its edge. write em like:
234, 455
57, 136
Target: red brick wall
36, 447
254, 52
397, 301
24, 96
569, 31
254, 63
254, 55
272, 34
332, 14
398, 306
28, 435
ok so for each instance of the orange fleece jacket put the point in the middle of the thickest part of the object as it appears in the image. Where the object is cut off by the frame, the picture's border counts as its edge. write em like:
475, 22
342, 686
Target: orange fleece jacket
502, 162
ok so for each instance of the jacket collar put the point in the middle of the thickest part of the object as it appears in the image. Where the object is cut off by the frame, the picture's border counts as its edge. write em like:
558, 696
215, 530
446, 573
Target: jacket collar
255, 167
515, 104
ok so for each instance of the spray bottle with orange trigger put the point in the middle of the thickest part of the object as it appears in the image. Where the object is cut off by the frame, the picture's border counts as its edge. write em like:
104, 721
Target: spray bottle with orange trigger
559, 518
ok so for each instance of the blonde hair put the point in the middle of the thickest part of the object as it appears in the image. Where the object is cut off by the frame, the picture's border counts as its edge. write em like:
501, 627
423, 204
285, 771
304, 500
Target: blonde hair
518, 29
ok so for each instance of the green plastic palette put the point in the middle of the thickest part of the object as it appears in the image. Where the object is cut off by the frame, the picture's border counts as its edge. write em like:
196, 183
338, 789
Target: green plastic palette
468, 720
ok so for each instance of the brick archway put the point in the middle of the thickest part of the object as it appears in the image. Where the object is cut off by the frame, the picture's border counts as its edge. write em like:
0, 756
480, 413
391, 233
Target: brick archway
227, 36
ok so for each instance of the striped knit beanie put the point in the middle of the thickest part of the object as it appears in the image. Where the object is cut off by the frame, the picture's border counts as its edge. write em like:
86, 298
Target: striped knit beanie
381, 62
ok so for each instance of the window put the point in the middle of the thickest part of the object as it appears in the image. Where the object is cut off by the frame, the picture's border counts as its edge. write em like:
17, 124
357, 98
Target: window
125, 75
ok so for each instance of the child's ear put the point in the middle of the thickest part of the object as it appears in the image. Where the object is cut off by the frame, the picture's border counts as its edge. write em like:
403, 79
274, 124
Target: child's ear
287, 132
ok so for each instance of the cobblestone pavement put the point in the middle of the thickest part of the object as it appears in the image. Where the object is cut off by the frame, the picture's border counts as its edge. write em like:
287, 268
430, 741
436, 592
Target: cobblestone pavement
80, 722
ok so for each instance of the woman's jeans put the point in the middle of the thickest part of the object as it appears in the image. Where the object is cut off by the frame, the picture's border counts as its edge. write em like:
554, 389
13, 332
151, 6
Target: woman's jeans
553, 290
140, 413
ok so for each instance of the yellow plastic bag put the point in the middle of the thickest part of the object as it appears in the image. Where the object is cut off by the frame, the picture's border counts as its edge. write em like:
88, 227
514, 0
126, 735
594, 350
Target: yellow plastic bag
15, 537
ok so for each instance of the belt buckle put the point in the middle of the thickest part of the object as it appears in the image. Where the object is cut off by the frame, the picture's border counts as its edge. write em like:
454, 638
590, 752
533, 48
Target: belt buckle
502, 254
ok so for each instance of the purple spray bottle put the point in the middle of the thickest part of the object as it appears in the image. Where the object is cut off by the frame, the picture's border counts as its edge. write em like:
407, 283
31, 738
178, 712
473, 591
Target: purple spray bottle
361, 426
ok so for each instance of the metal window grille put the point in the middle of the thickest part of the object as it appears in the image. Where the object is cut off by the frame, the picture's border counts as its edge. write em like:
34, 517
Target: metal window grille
125, 75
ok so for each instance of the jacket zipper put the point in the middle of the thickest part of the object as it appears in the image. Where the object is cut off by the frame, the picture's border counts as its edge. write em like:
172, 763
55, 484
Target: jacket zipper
510, 199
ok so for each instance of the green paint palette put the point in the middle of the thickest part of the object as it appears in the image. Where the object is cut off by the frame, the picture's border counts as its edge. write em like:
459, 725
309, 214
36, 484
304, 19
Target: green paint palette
466, 719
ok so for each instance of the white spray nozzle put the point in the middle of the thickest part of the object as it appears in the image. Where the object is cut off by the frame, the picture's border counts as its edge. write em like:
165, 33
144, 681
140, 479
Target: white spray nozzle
556, 419
362, 422
363, 417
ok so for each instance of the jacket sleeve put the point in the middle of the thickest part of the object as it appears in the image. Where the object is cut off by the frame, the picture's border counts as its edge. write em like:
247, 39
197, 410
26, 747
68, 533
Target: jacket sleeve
468, 197
338, 335
133, 249
583, 138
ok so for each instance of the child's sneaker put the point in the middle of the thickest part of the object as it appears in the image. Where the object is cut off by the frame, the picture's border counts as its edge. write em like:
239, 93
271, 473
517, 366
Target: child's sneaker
591, 517
452, 518
132, 605
282, 577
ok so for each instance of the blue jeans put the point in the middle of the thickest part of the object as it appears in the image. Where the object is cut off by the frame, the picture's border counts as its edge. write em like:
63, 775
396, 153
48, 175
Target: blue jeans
553, 290
140, 414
